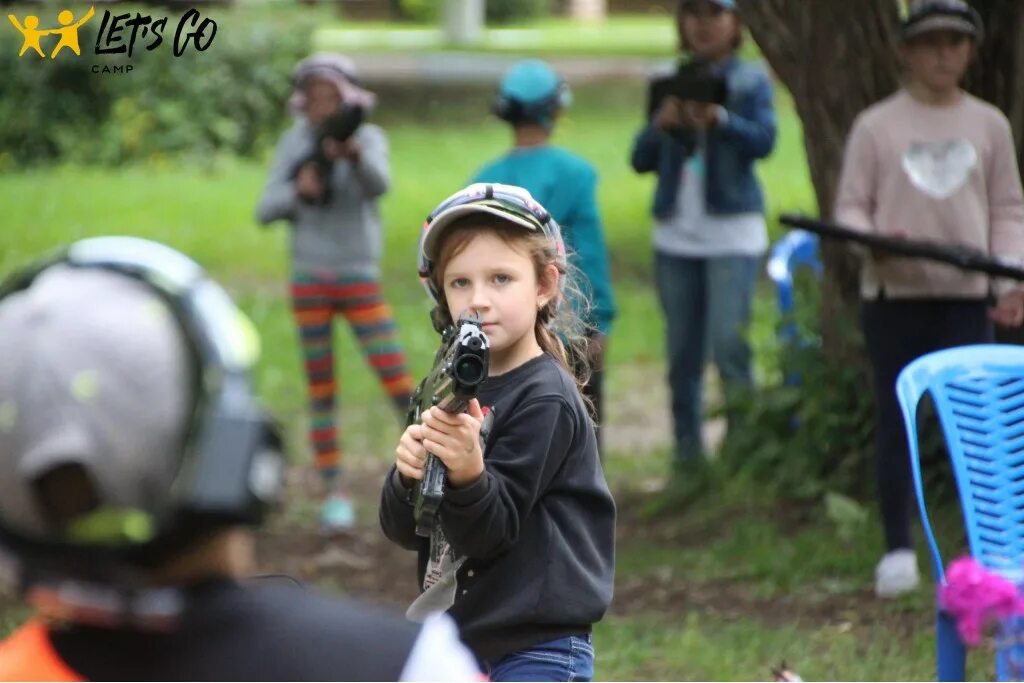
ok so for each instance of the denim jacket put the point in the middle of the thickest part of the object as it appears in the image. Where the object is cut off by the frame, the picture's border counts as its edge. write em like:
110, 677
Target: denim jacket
732, 147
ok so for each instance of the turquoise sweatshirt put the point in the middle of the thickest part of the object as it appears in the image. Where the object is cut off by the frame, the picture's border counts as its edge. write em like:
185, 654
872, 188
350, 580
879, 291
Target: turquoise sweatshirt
567, 187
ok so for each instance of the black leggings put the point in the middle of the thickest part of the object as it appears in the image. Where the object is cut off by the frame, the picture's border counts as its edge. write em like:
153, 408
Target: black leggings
897, 332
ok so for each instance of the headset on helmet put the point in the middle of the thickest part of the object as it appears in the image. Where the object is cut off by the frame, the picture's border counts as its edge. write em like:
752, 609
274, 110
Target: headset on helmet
542, 111
531, 92
231, 466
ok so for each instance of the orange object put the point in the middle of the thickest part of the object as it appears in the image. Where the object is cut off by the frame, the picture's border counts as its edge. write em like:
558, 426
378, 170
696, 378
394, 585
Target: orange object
28, 655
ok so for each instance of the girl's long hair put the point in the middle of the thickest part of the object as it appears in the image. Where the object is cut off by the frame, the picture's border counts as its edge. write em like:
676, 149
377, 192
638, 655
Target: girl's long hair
559, 328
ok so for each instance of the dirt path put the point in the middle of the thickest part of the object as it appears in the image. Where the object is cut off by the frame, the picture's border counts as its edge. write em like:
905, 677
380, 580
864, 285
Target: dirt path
362, 563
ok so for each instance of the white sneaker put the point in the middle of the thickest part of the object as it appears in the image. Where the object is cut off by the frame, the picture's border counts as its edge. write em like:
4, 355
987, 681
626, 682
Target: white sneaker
896, 573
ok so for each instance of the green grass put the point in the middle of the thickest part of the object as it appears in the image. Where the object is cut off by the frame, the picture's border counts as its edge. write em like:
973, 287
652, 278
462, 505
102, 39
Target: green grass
701, 647
736, 585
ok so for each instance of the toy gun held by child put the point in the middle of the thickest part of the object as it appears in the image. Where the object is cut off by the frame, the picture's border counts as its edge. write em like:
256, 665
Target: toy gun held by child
960, 256
694, 81
339, 127
460, 366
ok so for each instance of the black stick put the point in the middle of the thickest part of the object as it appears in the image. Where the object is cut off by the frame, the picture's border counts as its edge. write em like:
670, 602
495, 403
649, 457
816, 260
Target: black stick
962, 257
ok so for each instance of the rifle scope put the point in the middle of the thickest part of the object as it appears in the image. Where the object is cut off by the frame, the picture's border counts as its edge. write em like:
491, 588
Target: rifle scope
469, 370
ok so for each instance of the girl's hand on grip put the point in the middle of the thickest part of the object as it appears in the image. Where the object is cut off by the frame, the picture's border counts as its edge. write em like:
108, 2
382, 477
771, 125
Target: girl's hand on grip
410, 455
455, 439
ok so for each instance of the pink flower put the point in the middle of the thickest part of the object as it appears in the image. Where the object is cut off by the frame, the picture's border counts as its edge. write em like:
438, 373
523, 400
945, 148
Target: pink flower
975, 597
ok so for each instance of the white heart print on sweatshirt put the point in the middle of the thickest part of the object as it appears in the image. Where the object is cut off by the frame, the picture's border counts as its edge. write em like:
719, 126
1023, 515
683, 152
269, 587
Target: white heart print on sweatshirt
940, 169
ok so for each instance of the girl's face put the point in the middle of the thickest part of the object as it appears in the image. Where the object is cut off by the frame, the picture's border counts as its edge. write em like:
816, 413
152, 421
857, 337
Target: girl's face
938, 59
322, 100
499, 282
708, 29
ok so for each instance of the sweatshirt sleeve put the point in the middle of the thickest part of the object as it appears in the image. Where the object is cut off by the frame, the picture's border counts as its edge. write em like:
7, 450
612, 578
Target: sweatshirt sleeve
483, 520
373, 170
591, 249
755, 128
395, 513
647, 149
855, 197
1005, 202
279, 201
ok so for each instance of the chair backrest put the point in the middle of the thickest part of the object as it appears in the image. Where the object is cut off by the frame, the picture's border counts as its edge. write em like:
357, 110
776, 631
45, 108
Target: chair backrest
978, 393
797, 248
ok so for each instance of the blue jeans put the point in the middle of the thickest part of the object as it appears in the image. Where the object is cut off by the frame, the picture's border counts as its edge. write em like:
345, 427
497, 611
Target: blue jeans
565, 659
706, 302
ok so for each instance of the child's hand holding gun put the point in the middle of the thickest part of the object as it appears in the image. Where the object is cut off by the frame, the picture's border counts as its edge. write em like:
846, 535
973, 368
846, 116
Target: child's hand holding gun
455, 439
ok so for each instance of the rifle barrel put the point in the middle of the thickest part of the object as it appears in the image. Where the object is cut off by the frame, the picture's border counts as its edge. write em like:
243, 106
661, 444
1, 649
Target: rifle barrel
960, 256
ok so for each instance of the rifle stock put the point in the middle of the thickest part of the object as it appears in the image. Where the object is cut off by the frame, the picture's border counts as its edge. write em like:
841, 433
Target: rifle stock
460, 366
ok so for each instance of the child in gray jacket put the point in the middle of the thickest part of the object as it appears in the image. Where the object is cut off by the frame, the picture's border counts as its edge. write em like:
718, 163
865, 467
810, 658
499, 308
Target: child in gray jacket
327, 188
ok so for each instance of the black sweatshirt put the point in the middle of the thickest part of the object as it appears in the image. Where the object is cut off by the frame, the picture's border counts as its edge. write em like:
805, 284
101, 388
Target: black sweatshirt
532, 542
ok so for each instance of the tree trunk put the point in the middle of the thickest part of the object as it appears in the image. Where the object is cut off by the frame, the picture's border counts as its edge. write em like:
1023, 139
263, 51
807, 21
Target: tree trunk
998, 74
837, 58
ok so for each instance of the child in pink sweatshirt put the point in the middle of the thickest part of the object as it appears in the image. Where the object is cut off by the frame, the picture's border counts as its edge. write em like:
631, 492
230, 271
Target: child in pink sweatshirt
929, 162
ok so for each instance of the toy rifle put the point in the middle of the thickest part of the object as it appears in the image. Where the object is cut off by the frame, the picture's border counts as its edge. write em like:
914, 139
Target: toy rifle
692, 81
339, 126
960, 256
460, 366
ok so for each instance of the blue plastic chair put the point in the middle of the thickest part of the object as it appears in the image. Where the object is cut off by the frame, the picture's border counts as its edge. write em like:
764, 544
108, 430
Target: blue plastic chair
978, 392
798, 248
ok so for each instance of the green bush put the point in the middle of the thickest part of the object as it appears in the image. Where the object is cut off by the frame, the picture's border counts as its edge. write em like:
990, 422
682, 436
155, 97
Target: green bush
422, 11
803, 440
229, 98
501, 11
497, 11
811, 429
813, 436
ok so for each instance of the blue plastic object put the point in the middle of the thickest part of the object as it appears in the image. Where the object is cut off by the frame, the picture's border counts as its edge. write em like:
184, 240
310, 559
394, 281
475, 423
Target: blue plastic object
978, 392
798, 248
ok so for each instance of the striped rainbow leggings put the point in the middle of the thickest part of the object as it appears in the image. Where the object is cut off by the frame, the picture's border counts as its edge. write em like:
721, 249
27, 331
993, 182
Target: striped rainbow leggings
316, 300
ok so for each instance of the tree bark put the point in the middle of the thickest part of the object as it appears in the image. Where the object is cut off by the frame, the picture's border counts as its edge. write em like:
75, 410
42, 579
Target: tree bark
836, 58
997, 76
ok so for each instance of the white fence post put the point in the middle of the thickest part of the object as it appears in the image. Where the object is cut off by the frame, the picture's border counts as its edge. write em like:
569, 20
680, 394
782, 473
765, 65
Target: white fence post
463, 21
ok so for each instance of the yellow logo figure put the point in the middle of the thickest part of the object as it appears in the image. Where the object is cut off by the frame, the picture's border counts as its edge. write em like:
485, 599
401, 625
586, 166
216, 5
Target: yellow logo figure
68, 32
31, 33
